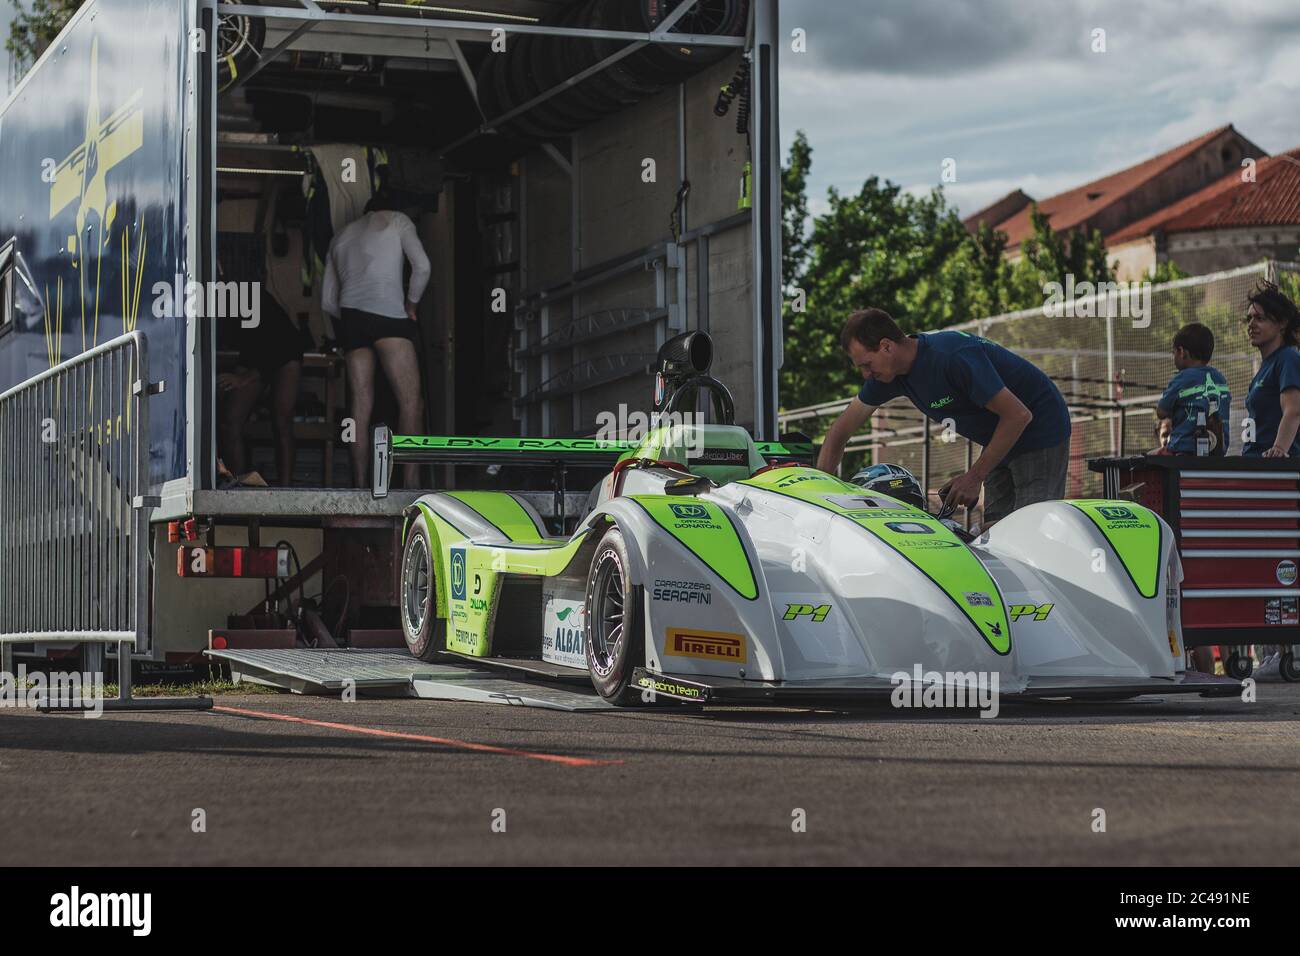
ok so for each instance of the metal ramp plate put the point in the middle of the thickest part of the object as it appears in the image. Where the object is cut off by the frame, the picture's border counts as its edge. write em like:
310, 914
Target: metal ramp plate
495, 690
306, 671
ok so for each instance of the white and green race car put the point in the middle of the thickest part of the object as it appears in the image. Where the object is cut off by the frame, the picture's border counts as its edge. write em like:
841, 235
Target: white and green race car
710, 568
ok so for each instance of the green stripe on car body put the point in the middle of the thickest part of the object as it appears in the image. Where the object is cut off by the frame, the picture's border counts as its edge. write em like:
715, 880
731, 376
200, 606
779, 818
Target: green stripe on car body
924, 541
546, 559
543, 556
444, 534
469, 617
1133, 533
707, 532
502, 511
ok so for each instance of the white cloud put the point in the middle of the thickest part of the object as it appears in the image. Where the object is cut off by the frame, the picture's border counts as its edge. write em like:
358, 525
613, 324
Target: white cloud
1011, 90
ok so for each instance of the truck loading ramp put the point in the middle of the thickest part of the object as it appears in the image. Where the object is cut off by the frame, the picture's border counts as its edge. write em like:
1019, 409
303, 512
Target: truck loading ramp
395, 674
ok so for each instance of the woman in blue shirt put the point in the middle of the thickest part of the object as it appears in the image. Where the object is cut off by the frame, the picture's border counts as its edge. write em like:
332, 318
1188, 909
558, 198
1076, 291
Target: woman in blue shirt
1273, 400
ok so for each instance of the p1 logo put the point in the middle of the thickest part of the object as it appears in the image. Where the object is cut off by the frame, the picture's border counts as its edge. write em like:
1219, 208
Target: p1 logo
816, 613
1038, 612
458, 574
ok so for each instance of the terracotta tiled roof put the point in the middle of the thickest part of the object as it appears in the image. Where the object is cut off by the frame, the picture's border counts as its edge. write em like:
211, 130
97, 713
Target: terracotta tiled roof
1003, 209
1273, 199
1068, 209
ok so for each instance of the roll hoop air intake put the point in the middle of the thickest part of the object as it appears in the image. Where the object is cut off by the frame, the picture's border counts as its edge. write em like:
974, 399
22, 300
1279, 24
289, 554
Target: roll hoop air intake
683, 371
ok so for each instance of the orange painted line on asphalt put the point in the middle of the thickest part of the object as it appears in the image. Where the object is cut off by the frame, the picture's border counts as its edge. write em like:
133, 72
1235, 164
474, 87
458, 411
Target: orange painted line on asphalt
423, 738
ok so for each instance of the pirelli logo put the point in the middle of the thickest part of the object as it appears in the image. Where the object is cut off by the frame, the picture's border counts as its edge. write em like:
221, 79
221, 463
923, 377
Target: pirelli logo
706, 645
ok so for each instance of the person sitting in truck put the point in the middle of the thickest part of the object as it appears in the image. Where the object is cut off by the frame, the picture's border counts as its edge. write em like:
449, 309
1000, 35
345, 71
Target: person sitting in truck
362, 293
270, 364
1197, 398
1273, 399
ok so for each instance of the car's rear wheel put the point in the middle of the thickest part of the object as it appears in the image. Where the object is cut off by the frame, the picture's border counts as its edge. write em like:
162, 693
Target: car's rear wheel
615, 621
1288, 667
425, 632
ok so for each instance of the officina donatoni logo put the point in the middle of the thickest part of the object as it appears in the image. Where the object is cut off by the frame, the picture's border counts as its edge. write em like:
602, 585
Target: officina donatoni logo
458, 574
1113, 513
690, 512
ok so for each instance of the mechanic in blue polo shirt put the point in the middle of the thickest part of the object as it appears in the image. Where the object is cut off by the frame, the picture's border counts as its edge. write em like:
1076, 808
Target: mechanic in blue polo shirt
993, 397
1273, 400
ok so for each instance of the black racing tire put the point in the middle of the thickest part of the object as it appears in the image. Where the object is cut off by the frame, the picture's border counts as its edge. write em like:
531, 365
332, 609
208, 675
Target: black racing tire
544, 69
597, 92
604, 15
1287, 667
239, 42
505, 98
425, 632
709, 18
615, 622
1237, 666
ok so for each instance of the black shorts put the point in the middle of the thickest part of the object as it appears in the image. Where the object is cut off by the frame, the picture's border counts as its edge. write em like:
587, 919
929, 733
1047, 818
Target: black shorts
358, 330
273, 343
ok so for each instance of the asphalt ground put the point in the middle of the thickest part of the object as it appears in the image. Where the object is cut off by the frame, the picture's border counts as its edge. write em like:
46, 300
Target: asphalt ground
1184, 781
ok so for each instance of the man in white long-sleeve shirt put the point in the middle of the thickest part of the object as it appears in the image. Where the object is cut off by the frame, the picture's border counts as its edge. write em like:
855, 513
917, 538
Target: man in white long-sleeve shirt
372, 316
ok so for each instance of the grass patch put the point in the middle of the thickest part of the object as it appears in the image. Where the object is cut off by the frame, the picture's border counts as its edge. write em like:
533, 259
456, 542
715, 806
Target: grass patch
205, 688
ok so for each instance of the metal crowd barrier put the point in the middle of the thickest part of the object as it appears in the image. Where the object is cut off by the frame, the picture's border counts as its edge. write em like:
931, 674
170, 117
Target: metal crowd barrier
74, 510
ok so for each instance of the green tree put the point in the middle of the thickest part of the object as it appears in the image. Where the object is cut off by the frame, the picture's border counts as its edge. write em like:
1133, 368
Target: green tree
794, 212
881, 247
1289, 283
1049, 257
33, 28
1168, 271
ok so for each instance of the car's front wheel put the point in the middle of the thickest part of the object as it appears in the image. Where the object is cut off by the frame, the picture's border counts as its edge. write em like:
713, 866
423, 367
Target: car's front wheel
615, 621
1237, 666
424, 631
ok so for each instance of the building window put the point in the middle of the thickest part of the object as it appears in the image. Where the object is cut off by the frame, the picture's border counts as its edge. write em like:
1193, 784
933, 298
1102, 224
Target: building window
7, 287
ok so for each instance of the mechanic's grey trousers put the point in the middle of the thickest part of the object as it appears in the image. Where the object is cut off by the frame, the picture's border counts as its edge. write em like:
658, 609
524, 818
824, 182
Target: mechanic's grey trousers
1030, 476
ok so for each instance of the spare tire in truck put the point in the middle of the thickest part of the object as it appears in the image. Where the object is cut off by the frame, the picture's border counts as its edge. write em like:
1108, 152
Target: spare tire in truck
239, 45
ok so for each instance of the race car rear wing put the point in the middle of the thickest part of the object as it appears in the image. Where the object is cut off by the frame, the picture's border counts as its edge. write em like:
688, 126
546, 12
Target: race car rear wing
557, 453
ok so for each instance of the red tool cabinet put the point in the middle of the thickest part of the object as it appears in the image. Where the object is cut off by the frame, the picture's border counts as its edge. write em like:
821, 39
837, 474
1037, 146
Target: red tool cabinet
1237, 524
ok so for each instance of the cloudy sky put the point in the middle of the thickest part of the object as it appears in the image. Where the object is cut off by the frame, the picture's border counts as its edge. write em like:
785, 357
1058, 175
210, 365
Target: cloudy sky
1012, 90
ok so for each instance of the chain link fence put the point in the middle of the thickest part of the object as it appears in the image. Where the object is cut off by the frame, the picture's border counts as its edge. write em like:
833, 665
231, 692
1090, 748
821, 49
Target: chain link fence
1109, 352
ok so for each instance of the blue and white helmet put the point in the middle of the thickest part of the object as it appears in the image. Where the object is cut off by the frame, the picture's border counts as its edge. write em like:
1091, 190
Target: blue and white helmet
892, 480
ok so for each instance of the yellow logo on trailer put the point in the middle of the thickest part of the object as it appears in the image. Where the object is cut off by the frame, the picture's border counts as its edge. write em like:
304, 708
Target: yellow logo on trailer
81, 178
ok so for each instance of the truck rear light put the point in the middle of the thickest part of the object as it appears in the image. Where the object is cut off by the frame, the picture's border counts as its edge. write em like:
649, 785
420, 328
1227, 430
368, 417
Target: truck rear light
187, 530
196, 562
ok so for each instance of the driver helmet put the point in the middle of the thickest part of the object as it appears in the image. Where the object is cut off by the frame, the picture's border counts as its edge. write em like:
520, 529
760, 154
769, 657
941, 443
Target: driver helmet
892, 480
